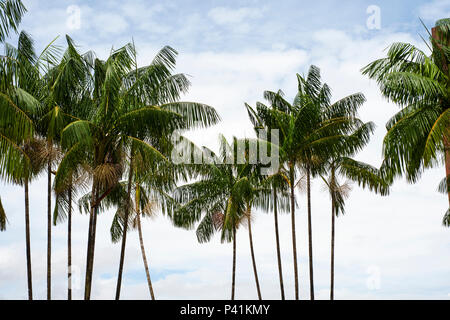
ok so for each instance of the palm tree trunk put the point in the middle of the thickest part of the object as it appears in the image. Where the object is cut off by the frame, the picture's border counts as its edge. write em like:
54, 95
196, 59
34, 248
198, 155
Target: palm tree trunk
233, 273
89, 255
27, 241
69, 247
49, 230
144, 258
277, 239
447, 164
332, 249
294, 241
124, 235
311, 266
255, 271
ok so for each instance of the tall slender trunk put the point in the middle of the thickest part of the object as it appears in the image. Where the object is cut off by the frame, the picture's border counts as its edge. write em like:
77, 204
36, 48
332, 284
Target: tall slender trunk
294, 241
49, 230
89, 253
255, 271
124, 235
277, 239
311, 266
27, 241
69, 247
144, 258
332, 247
233, 273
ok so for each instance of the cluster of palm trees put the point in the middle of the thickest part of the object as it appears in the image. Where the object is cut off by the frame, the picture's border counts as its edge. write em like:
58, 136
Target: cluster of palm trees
317, 138
101, 130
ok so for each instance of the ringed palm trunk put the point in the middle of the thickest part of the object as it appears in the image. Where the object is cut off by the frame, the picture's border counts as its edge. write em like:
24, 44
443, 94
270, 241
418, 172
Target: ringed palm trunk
90, 244
27, 240
49, 230
277, 239
332, 247
141, 241
69, 247
255, 271
125, 229
294, 241
233, 273
91, 238
311, 266
144, 258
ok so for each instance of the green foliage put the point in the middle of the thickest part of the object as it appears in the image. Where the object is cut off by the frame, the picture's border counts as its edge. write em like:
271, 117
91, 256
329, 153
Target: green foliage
419, 84
11, 13
222, 196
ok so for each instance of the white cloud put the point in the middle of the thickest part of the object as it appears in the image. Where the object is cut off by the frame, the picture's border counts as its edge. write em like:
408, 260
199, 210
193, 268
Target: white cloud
400, 234
108, 23
435, 10
228, 16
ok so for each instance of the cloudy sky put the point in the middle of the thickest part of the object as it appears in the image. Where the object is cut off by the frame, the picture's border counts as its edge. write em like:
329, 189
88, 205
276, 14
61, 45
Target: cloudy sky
386, 247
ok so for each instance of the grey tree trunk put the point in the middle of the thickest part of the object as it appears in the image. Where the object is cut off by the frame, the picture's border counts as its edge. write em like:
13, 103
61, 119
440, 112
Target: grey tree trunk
124, 235
144, 258
311, 266
255, 271
90, 244
332, 248
233, 273
27, 241
277, 239
69, 247
49, 230
294, 241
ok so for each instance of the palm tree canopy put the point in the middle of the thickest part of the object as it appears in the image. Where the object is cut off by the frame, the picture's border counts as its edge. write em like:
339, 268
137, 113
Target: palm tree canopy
11, 13
220, 198
419, 84
311, 129
129, 106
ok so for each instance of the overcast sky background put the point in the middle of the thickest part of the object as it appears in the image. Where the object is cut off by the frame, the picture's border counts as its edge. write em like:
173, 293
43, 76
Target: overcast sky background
386, 247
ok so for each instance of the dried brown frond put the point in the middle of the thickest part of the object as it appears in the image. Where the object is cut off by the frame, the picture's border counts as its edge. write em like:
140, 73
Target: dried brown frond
107, 175
301, 184
150, 209
218, 219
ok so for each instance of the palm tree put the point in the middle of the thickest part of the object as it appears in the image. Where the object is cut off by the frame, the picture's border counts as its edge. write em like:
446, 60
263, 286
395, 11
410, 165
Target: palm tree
277, 117
158, 73
51, 118
150, 182
123, 117
68, 93
417, 136
11, 13
327, 125
311, 130
144, 206
362, 173
221, 200
20, 108
278, 184
255, 194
